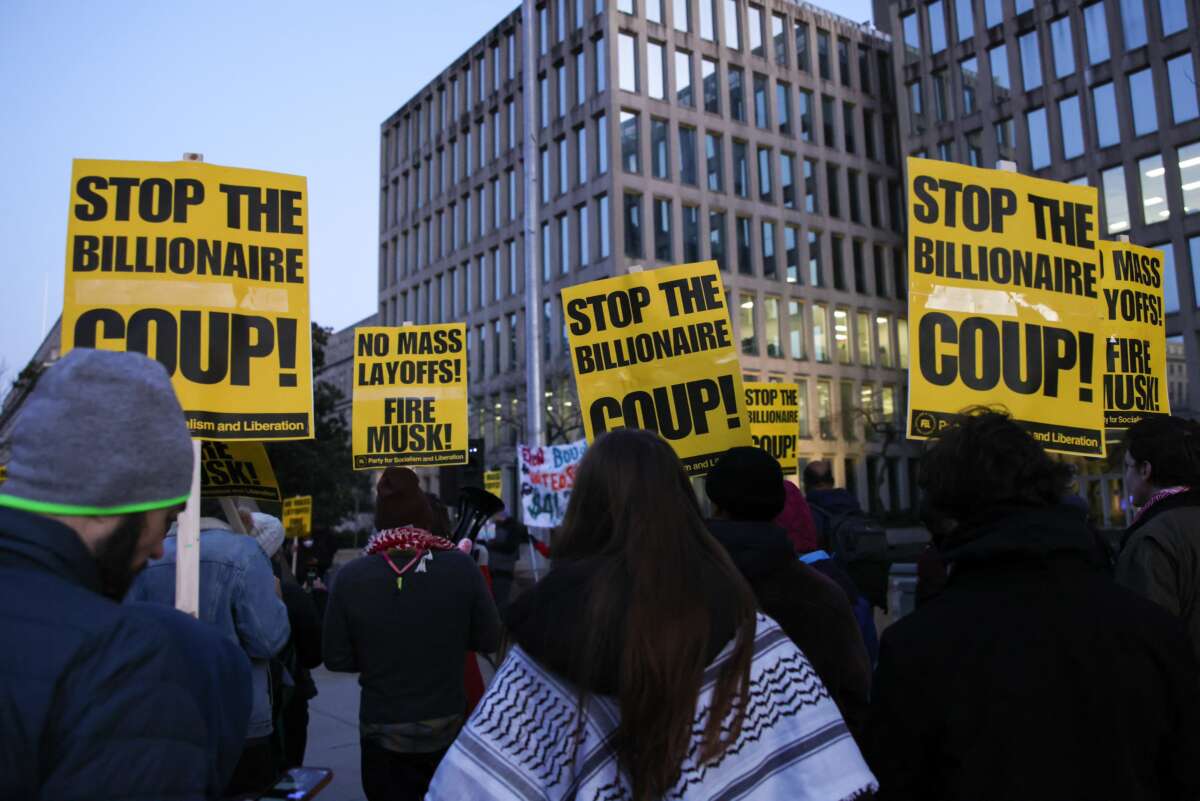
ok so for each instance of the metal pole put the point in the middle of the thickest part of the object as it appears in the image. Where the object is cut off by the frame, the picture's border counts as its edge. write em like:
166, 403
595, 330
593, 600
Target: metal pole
533, 287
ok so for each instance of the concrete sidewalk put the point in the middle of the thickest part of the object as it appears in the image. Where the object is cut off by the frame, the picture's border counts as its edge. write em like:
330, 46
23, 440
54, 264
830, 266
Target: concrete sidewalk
333, 734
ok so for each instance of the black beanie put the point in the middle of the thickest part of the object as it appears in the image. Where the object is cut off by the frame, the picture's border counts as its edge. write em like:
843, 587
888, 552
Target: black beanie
747, 484
400, 501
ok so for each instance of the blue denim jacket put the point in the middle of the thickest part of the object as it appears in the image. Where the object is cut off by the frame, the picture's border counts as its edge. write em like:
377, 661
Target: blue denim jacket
237, 595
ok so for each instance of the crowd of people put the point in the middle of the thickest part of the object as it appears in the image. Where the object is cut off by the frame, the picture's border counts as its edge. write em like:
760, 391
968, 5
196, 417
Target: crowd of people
668, 653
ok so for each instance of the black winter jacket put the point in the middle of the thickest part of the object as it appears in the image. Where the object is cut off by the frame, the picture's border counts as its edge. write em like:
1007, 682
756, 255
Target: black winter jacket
1034, 676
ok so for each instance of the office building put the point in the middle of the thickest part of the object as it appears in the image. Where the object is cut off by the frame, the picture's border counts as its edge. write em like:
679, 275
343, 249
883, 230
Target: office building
760, 134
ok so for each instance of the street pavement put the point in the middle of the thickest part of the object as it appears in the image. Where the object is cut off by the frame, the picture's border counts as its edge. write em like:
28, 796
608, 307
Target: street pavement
333, 734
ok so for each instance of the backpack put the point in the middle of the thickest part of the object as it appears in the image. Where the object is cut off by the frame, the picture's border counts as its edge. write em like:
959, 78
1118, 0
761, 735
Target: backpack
859, 544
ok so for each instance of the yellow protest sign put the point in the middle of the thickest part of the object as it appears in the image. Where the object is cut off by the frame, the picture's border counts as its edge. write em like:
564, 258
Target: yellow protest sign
491, 481
1004, 291
237, 469
205, 269
3, 473
1135, 340
773, 411
297, 516
410, 396
655, 350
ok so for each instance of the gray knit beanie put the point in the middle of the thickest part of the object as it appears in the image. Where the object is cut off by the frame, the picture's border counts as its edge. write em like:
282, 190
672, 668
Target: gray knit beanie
102, 433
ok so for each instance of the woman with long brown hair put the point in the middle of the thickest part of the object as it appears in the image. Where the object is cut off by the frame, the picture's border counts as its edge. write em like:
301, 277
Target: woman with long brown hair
641, 669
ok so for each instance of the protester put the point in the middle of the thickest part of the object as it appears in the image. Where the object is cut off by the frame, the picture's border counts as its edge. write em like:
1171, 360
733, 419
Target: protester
1031, 675
796, 520
1160, 558
825, 499
100, 700
504, 550
404, 616
641, 669
240, 595
300, 655
746, 488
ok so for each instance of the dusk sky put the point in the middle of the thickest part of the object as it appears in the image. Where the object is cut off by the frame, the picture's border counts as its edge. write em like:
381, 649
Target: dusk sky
299, 88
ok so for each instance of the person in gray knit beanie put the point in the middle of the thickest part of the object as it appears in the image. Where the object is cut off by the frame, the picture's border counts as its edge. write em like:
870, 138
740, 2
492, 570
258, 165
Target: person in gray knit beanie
100, 699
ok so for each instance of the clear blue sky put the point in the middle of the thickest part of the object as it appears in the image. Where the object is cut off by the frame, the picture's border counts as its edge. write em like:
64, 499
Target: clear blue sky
298, 87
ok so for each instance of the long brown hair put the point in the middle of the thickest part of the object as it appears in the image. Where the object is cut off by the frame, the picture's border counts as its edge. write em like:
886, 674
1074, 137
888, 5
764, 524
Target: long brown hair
634, 515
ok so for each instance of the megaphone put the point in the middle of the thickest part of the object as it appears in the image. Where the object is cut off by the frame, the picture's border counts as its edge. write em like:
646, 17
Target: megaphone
475, 506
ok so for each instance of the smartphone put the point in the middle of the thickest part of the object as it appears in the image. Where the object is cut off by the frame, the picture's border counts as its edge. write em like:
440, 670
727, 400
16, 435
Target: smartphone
300, 784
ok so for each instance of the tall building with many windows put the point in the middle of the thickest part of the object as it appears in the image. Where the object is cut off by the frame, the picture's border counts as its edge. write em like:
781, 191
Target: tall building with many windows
1101, 92
759, 134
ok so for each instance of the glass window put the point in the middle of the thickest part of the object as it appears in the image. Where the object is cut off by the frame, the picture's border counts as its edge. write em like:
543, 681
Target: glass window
741, 171
564, 166
716, 239
762, 116
581, 154
1095, 26
683, 15
746, 324
1039, 138
601, 144
820, 324
831, 190
791, 253
795, 324
627, 67
1181, 74
862, 333
801, 38
825, 408
633, 225
601, 61
810, 186
545, 259
823, 54
852, 181
783, 106
662, 229
916, 107
836, 262
1031, 60
1174, 16
654, 11
714, 157
708, 13
848, 127
733, 25
841, 336
691, 234
864, 66
844, 60
630, 142
764, 174
627, 7
883, 339
768, 249
1141, 94
1170, 283
660, 149
1116, 202
806, 116
711, 84
656, 70
965, 18
603, 223
683, 78
545, 175
754, 17
816, 275
1064, 49
940, 106
771, 326
737, 100
993, 12
1154, 189
901, 346
1001, 83
912, 37
1072, 127
1108, 125
937, 27
1133, 21
968, 71
779, 38
827, 120
1189, 178
745, 252
687, 154
787, 179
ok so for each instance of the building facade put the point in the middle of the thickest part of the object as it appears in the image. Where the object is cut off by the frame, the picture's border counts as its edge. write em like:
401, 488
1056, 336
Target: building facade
1097, 92
338, 369
759, 134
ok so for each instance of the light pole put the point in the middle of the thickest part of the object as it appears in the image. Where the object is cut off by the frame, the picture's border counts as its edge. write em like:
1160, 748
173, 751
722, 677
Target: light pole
533, 304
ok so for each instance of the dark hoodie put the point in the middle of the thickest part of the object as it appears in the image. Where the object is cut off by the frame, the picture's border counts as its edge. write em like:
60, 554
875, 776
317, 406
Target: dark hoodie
809, 607
1033, 676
